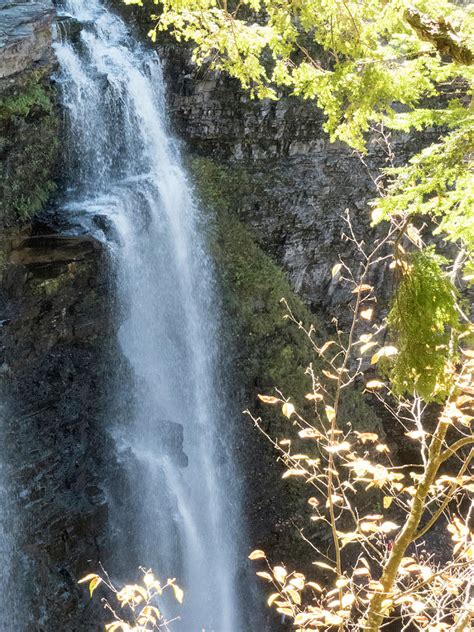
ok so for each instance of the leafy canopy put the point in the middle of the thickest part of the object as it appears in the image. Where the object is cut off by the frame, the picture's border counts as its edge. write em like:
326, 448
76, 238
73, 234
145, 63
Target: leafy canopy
365, 63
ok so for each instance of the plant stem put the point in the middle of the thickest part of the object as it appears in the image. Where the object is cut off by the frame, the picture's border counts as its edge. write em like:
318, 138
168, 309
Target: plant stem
375, 615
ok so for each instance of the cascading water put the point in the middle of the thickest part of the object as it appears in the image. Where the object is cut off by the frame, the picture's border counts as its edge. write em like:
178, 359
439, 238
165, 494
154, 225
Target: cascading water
9, 611
124, 166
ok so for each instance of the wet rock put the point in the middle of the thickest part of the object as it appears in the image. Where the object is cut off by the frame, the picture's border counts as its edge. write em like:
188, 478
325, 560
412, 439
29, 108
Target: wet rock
58, 342
25, 36
172, 435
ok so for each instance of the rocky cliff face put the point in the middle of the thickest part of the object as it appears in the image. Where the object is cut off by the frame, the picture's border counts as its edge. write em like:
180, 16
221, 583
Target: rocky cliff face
296, 186
55, 341
56, 338
275, 188
25, 38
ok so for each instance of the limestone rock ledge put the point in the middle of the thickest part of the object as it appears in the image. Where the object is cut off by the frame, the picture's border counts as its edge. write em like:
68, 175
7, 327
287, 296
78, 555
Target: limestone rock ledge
25, 35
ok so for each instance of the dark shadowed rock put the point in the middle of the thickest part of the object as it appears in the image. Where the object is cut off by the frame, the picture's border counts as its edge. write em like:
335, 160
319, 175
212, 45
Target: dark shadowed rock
57, 346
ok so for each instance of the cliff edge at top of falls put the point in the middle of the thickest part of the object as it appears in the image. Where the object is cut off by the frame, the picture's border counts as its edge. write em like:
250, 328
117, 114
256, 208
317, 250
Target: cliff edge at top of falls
25, 36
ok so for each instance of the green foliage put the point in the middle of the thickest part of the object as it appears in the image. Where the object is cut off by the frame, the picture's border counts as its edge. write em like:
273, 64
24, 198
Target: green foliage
439, 182
425, 323
28, 148
364, 63
30, 97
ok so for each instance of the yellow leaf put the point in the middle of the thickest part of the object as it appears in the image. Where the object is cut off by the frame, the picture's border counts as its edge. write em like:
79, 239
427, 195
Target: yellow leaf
367, 314
332, 619
295, 596
367, 436
362, 288
335, 269
388, 526
326, 346
257, 555
367, 346
93, 585
416, 434
288, 409
317, 397
309, 433
178, 593
293, 472
384, 352
375, 384
387, 501
272, 598
324, 565
341, 582
279, 573
315, 586
376, 586
361, 571
339, 447
329, 375
298, 581
330, 413
348, 600
268, 399
265, 575
150, 611
87, 578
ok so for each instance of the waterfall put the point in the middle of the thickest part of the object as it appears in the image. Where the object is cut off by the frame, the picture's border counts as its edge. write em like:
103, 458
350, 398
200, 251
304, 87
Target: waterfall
123, 167
8, 604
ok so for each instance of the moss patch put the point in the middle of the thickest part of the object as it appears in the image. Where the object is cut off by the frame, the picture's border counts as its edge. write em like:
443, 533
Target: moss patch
269, 351
28, 147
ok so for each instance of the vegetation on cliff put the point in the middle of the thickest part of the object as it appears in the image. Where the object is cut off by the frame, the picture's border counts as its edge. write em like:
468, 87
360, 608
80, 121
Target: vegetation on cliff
29, 141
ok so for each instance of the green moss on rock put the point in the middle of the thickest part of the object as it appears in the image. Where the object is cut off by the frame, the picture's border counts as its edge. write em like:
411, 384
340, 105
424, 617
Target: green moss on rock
270, 351
28, 147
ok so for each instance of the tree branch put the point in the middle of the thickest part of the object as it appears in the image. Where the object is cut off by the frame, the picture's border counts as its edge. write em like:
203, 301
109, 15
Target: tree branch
449, 452
441, 35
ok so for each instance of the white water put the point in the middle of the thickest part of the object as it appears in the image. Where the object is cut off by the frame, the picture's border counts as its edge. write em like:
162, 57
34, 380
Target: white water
124, 165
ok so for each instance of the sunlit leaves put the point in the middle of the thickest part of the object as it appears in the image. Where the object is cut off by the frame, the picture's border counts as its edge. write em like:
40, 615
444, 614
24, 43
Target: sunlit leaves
367, 314
288, 409
384, 352
424, 319
178, 592
374, 384
293, 472
268, 399
94, 582
139, 611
